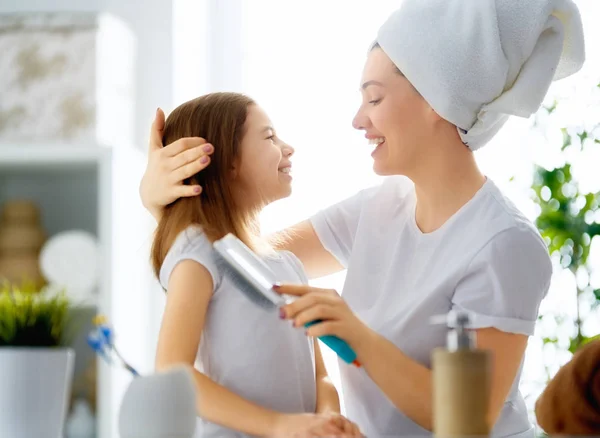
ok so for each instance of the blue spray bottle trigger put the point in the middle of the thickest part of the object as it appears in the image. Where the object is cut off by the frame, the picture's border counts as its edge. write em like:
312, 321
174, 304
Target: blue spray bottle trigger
342, 349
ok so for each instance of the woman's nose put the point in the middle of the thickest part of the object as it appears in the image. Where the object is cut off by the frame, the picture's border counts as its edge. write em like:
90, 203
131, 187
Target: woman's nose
287, 150
361, 120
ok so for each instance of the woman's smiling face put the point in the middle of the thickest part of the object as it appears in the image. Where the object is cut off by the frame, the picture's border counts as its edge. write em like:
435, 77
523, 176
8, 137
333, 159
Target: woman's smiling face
394, 117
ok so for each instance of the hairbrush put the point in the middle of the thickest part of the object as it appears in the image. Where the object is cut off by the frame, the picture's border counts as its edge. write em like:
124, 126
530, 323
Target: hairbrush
256, 280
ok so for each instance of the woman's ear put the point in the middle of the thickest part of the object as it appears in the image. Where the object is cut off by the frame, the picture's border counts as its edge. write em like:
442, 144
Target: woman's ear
438, 123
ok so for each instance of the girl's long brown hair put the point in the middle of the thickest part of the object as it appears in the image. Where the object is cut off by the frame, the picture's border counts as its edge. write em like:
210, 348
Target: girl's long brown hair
219, 118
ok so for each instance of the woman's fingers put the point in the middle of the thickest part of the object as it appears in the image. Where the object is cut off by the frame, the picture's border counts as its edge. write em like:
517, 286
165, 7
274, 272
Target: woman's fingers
292, 309
181, 145
156, 131
316, 312
296, 290
352, 429
343, 424
171, 150
328, 429
197, 153
324, 328
348, 427
190, 169
186, 191
343, 427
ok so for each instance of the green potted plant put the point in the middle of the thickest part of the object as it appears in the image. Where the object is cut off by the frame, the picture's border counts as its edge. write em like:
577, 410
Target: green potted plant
36, 368
569, 222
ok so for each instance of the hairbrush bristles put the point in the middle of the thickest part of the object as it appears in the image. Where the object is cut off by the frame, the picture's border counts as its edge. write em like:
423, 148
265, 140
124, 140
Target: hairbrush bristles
242, 284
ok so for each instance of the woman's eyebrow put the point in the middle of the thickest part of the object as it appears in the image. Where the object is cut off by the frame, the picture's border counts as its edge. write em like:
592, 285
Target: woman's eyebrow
369, 83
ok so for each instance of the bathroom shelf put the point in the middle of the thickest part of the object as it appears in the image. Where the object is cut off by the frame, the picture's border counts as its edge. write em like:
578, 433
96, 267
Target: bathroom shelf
94, 188
71, 184
51, 155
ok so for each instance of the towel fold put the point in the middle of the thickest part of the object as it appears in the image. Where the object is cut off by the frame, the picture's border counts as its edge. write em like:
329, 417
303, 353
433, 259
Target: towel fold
476, 62
570, 404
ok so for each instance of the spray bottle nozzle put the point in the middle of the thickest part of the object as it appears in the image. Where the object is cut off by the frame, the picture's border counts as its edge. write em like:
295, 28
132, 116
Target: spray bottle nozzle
459, 338
453, 319
462, 319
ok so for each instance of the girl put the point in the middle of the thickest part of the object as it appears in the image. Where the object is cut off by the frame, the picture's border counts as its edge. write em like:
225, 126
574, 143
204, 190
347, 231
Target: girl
257, 375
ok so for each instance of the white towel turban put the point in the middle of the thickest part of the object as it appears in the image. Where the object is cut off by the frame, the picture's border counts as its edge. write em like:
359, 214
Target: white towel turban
476, 62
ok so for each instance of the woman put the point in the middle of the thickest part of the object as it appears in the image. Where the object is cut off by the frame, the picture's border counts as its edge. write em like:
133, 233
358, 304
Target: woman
258, 376
437, 235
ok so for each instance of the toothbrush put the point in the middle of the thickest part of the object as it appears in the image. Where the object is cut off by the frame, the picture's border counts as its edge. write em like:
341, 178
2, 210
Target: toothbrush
256, 280
101, 340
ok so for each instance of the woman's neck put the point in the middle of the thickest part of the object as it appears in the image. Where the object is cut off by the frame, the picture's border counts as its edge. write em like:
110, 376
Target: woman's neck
445, 184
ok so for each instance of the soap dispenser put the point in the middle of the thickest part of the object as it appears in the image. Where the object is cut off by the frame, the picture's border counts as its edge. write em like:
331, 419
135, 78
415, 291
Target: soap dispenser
461, 382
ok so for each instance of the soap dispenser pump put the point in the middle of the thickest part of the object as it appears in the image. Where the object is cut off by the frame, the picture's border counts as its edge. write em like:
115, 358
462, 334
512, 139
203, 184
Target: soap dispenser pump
461, 382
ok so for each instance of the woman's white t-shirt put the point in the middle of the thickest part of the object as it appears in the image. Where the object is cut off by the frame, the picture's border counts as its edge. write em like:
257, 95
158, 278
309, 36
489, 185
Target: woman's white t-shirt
244, 347
487, 259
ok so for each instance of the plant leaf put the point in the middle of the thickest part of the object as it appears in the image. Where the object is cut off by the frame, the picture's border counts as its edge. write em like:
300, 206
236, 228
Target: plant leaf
566, 139
32, 319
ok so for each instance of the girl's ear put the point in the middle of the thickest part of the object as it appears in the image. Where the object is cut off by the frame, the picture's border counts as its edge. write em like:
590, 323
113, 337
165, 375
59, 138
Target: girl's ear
234, 170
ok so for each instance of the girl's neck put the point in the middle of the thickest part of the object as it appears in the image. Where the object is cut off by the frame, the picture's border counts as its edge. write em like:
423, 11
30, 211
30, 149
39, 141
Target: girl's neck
444, 186
257, 243
253, 225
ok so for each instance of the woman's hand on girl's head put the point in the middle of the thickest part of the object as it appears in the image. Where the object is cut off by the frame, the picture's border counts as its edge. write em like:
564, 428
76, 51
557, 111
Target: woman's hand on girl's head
314, 425
169, 166
327, 306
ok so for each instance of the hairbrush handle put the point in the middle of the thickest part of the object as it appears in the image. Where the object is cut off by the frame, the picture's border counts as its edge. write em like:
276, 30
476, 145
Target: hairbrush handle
341, 347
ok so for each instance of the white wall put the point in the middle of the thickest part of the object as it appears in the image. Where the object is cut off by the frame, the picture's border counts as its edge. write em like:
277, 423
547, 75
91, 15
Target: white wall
208, 50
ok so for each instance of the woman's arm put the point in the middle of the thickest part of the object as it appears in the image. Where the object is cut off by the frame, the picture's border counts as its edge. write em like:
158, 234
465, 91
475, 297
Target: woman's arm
327, 396
408, 384
190, 289
404, 381
302, 240
503, 286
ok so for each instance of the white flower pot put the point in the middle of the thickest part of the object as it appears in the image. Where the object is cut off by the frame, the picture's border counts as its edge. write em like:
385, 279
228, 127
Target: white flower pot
35, 386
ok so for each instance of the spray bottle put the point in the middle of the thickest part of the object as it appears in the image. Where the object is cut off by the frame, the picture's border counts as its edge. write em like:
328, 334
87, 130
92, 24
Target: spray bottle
461, 382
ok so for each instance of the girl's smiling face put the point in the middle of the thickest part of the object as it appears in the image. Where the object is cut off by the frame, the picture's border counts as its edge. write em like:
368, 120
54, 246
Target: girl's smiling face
263, 170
